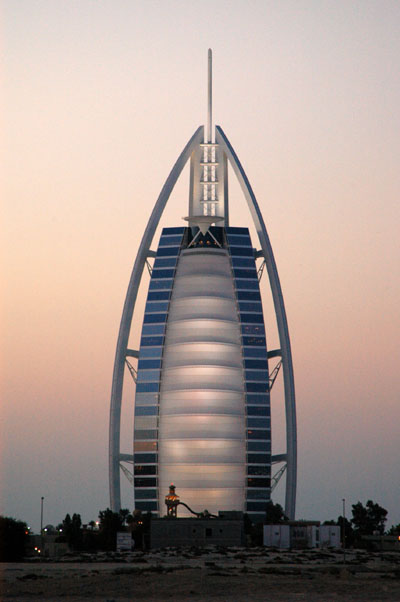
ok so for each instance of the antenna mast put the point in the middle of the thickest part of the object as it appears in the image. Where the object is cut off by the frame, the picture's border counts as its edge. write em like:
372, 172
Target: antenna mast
209, 119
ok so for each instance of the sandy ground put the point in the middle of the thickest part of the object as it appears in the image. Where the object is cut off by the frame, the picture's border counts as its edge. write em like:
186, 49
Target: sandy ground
235, 574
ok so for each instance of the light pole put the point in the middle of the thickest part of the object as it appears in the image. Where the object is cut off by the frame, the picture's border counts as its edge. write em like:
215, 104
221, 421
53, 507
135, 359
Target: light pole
41, 524
344, 531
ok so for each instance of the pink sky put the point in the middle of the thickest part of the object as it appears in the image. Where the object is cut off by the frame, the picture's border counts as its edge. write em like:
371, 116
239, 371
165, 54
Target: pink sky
100, 98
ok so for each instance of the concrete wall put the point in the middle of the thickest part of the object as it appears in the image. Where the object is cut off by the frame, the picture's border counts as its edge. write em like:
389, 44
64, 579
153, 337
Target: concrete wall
195, 532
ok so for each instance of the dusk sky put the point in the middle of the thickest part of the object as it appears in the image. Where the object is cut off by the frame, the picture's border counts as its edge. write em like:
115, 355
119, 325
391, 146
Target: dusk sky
99, 99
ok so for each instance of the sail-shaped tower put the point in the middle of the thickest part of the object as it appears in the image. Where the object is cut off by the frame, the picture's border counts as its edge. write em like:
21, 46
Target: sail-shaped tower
202, 403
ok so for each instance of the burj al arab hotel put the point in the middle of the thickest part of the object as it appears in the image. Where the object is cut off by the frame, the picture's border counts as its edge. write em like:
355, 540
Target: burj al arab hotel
203, 371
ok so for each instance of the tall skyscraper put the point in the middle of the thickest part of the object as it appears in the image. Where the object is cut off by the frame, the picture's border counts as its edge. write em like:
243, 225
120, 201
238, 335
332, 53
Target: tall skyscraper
202, 405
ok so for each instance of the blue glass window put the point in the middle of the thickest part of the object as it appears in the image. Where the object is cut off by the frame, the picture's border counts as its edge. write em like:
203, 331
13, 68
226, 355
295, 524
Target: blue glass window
143, 482
159, 285
175, 230
249, 329
158, 306
243, 262
149, 364
242, 284
163, 273
236, 230
257, 494
153, 329
256, 341
249, 306
146, 411
165, 262
243, 273
146, 506
255, 387
155, 318
145, 434
150, 342
252, 364
263, 446
255, 434
259, 470
239, 240
254, 352
151, 352
255, 482
168, 252
259, 375
147, 387
242, 251
257, 506
257, 410
158, 296
148, 376
259, 399
252, 318
248, 295
254, 458
258, 422
145, 494
170, 241
146, 469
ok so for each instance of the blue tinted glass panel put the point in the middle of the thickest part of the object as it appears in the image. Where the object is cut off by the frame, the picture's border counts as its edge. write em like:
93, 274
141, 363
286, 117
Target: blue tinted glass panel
239, 240
249, 306
145, 494
253, 398
257, 434
157, 306
256, 341
170, 241
146, 506
252, 364
158, 296
149, 364
252, 387
148, 376
242, 251
243, 262
254, 352
242, 273
155, 319
150, 342
236, 230
248, 295
257, 410
253, 458
246, 284
153, 329
143, 482
258, 422
160, 285
165, 262
145, 469
259, 375
146, 411
248, 329
151, 352
263, 446
147, 387
256, 506
177, 230
145, 434
257, 494
252, 318
168, 252
258, 482
146, 458
163, 273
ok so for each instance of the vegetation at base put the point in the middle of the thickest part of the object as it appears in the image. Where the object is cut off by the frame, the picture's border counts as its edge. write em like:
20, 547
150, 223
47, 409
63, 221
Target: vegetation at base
13, 539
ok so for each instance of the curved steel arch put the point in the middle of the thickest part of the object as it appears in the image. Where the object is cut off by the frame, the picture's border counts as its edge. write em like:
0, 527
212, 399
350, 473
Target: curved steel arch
290, 403
127, 314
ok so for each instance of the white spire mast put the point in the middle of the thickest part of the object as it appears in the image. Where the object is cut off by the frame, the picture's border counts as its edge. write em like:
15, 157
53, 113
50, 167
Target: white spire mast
209, 116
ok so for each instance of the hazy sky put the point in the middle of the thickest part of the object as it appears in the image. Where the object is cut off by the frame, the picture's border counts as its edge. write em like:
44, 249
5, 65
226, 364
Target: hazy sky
99, 100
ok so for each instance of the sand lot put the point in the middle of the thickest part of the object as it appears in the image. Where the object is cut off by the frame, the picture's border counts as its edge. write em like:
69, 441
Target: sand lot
236, 574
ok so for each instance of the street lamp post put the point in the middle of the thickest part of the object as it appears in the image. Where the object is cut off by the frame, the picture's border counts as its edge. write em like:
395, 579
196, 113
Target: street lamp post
344, 531
41, 524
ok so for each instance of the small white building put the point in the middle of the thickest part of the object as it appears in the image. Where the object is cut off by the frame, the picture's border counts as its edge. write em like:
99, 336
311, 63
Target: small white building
301, 534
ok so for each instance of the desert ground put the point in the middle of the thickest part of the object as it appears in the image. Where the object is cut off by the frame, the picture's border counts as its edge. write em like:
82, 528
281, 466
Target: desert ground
234, 574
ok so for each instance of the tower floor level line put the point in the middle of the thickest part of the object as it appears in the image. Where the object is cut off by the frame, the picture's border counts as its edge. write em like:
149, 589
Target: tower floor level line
202, 402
